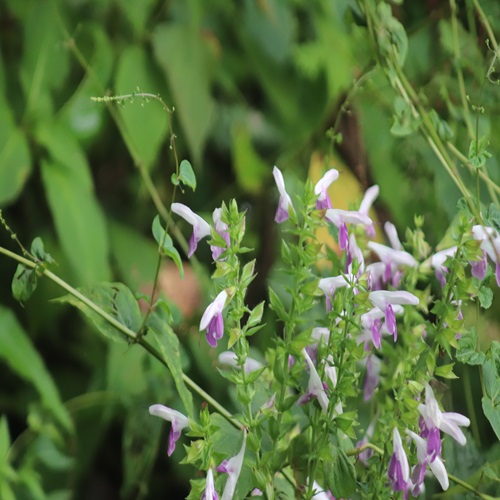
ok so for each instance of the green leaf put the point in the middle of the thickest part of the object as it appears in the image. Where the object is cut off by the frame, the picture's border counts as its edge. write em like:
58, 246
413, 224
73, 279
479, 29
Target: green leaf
446, 371
467, 350
255, 315
186, 175
492, 413
113, 298
38, 251
79, 223
145, 120
15, 158
339, 474
4, 441
166, 244
168, 344
190, 83
18, 352
137, 13
485, 297
24, 283
83, 118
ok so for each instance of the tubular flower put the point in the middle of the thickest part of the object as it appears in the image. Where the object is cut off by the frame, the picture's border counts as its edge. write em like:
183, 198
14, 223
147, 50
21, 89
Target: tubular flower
370, 196
229, 358
232, 467
490, 243
212, 319
321, 189
384, 300
447, 422
179, 422
315, 388
221, 229
285, 202
200, 227
399, 470
393, 260
438, 260
210, 493
374, 327
436, 465
392, 235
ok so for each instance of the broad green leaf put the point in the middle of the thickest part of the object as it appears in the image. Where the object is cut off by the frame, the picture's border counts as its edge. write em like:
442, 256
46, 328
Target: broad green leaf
146, 120
339, 474
186, 175
485, 297
80, 115
190, 83
467, 350
38, 251
45, 61
168, 344
15, 158
251, 171
18, 352
492, 413
79, 222
125, 374
116, 300
446, 371
166, 244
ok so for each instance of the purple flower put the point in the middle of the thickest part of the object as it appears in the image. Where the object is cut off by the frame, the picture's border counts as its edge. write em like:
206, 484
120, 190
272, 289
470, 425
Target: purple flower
179, 421
392, 235
229, 358
399, 470
478, 268
436, 465
315, 387
490, 243
330, 285
321, 189
232, 467
285, 202
448, 422
384, 300
221, 229
339, 217
374, 326
438, 260
393, 260
212, 319
200, 227
210, 493
373, 367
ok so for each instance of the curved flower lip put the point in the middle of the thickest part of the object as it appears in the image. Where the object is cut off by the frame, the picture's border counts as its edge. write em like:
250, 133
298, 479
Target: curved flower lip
315, 386
200, 227
399, 468
448, 422
490, 241
390, 256
321, 188
339, 217
285, 202
179, 421
229, 358
221, 228
382, 298
213, 309
329, 285
233, 468
370, 196
210, 493
439, 258
392, 236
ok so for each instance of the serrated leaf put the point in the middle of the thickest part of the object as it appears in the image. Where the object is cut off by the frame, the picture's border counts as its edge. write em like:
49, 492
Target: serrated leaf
168, 344
166, 244
19, 354
485, 296
467, 350
186, 175
113, 298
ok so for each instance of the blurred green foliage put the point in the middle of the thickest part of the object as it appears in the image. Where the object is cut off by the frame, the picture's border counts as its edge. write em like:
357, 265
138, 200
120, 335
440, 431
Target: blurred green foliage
252, 83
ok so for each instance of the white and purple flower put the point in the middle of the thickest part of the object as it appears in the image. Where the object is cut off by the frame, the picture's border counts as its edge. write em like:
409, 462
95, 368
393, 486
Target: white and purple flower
321, 189
232, 468
212, 319
285, 202
201, 228
399, 470
179, 422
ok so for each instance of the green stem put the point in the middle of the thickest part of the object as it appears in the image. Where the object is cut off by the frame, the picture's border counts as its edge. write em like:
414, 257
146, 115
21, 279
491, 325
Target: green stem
469, 487
131, 335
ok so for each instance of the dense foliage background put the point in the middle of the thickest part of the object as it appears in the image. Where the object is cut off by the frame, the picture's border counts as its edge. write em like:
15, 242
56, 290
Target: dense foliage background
253, 84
